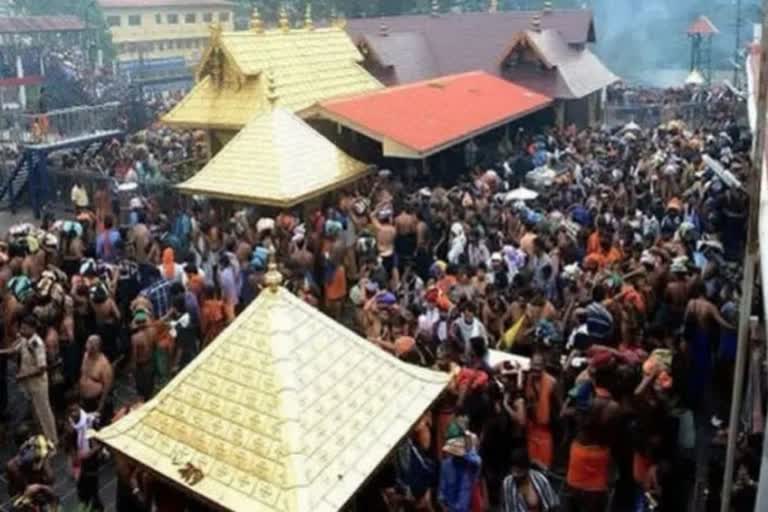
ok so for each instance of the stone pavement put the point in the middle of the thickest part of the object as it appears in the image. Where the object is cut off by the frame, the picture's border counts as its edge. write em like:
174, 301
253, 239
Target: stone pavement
8, 219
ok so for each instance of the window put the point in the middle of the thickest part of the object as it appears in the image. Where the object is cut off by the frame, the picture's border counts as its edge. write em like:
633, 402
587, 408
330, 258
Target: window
190, 18
159, 19
161, 45
113, 21
180, 44
208, 17
134, 20
223, 17
188, 43
172, 19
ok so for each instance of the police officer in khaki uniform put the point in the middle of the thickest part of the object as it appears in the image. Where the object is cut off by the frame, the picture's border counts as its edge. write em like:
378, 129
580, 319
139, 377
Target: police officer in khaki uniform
32, 375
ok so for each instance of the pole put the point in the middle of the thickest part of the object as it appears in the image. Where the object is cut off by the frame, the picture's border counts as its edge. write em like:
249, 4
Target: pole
751, 257
738, 44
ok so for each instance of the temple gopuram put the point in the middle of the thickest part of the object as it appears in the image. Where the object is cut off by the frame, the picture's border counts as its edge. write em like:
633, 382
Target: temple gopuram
243, 74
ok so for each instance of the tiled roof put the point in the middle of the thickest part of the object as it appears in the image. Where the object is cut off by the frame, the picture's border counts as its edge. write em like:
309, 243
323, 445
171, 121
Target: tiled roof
276, 159
440, 112
29, 24
388, 51
207, 105
572, 73
119, 4
457, 43
285, 411
300, 66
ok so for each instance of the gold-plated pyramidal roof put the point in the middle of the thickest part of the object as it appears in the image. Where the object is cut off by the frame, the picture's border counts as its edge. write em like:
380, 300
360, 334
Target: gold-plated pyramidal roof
304, 65
286, 410
276, 160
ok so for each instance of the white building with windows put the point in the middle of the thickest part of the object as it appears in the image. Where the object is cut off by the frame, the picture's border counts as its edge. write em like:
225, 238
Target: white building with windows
153, 31
6, 8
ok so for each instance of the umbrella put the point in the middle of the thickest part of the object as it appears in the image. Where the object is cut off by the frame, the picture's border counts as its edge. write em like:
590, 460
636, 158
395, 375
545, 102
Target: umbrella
695, 78
521, 194
631, 127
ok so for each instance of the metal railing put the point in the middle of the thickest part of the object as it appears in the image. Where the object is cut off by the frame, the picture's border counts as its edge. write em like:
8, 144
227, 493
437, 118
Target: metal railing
58, 125
651, 115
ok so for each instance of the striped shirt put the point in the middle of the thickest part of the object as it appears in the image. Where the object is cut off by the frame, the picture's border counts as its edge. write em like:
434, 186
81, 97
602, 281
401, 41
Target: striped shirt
515, 502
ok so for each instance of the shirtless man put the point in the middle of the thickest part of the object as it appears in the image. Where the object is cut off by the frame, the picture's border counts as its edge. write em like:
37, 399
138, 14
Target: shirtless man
141, 238
143, 340
676, 296
589, 463
385, 241
107, 319
301, 257
406, 224
96, 377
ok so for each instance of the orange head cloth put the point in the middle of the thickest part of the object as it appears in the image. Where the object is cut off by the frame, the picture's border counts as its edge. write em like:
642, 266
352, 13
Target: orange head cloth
403, 345
169, 265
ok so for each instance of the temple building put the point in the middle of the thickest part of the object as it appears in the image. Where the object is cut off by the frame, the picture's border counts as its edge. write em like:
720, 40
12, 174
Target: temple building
275, 150
439, 120
241, 71
546, 51
285, 411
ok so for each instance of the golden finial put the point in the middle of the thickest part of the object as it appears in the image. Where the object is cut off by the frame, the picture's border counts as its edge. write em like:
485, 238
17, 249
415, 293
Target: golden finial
283, 22
256, 24
494, 7
273, 278
271, 87
216, 30
435, 8
547, 7
340, 22
308, 17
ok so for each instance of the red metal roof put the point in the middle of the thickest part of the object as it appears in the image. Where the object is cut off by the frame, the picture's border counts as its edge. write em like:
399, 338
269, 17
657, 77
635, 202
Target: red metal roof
120, 4
428, 116
30, 24
703, 26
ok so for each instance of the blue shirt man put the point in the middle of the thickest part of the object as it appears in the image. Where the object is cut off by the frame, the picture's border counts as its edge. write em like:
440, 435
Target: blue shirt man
459, 470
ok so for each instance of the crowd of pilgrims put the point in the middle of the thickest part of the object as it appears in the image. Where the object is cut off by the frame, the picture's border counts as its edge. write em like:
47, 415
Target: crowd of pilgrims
612, 279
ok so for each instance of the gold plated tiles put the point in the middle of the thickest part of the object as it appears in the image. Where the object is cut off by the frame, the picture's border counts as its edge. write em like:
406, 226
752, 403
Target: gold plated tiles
306, 66
286, 410
277, 160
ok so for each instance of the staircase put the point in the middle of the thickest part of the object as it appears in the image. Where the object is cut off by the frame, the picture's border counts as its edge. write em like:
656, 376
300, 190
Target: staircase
15, 184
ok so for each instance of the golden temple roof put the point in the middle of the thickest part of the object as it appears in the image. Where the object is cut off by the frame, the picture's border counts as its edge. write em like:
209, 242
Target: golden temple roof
276, 160
305, 66
286, 410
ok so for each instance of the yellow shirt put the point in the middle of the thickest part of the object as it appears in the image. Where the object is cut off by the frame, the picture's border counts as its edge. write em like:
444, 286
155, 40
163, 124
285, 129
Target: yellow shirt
79, 197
